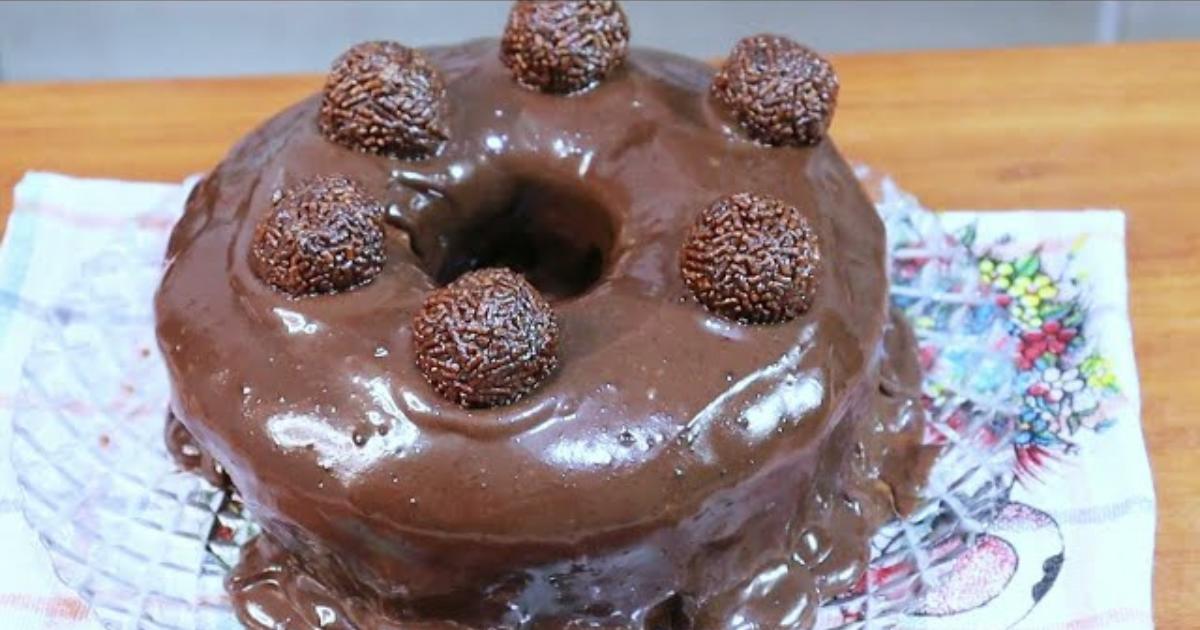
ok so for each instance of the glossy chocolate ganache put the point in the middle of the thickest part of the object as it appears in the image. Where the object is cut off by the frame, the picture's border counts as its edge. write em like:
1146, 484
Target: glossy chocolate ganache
544, 333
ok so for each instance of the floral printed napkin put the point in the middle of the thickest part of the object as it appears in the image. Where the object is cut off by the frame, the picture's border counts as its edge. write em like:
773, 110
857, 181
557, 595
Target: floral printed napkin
1074, 546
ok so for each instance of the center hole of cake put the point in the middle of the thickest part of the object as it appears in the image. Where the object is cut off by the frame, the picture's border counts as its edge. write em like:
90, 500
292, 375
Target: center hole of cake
557, 235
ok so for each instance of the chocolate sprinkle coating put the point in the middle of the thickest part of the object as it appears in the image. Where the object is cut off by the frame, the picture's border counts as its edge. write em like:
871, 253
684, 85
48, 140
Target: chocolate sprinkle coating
385, 98
780, 92
486, 339
323, 235
563, 47
752, 259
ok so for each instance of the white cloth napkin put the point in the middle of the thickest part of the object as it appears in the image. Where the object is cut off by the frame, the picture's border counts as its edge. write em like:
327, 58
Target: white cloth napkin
1085, 516
57, 223
1073, 548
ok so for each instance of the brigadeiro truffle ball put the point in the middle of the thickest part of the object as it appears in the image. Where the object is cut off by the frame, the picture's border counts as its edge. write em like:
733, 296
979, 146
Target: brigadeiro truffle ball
563, 47
780, 92
385, 98
752, 259
323, 235
486, 339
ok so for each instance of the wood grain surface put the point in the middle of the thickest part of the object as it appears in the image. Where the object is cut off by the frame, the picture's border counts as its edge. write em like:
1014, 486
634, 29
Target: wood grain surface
1025, 128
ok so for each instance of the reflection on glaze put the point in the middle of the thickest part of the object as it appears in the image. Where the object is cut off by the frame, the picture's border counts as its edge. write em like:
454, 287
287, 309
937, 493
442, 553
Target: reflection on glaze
795, 397
495, 143
296, 323
415, 403
345, 456
725, 327
777, 597
574, 453
585, 163
740, 401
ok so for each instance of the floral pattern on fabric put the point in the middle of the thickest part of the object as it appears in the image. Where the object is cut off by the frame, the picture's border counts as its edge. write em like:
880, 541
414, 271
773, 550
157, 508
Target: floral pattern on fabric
1010, 349
1037, 300
1063, 380
1004, 321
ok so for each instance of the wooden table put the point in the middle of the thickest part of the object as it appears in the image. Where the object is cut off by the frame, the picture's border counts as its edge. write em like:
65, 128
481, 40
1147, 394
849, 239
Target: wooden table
1054, 128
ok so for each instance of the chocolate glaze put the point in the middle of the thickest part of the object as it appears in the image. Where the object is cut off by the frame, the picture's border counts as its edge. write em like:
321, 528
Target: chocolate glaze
678, 470
190, 455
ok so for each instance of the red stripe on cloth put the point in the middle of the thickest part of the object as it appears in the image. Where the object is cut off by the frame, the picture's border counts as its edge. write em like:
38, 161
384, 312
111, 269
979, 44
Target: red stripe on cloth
152, 221
58, 607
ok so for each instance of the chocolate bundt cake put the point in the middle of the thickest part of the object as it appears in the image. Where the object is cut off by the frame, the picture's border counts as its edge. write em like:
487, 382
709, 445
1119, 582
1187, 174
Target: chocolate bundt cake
544, 333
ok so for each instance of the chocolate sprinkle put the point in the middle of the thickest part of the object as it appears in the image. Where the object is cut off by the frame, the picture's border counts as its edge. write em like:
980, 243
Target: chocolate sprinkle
385, 98
324, 235
752, 258
563, 47
486, 339
780, 92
